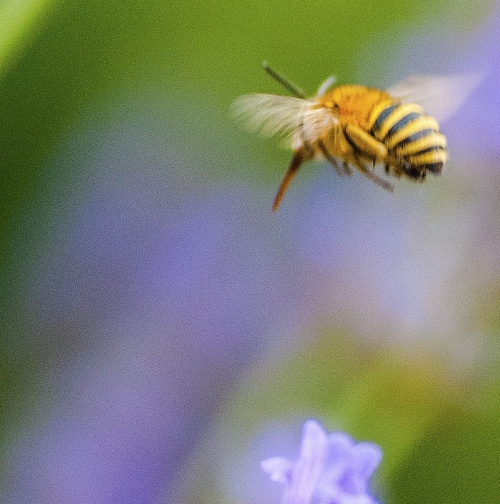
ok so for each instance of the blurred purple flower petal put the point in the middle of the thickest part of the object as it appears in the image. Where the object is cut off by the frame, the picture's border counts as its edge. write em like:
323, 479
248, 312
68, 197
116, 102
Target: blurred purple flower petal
331, 469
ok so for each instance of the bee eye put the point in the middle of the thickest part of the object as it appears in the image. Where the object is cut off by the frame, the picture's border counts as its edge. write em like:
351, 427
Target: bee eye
333, 105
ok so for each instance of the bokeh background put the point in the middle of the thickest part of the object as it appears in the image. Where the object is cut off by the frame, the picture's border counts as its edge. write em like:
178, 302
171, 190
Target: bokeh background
162, 330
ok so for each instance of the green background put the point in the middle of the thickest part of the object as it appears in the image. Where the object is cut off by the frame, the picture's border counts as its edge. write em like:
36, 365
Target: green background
67, 66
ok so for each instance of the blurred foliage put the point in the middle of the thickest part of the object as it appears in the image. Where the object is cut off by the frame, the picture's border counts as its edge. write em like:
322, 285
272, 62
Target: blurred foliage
19, 23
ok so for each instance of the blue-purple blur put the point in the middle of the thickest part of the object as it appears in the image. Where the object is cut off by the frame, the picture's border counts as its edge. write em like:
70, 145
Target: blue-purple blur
331, 469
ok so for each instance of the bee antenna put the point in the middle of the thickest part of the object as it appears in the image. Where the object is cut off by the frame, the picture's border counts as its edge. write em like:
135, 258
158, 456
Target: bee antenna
298, 92
327, 84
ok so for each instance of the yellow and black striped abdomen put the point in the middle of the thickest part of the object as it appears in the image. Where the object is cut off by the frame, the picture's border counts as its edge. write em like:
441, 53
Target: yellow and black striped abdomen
412, 138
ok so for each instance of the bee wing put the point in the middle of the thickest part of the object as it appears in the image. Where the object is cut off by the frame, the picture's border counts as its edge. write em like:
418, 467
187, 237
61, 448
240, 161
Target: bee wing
439, 96
270, 114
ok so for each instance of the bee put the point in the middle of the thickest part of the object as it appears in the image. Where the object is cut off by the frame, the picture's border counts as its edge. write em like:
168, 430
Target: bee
359, 126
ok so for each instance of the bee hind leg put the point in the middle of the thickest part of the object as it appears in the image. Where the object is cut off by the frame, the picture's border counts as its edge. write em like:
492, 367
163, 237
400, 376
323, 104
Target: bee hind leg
297, 159
340, 171
374, 178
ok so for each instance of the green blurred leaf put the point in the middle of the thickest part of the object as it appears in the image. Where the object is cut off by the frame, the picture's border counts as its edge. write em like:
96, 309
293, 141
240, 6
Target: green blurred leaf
19, 19
458, 461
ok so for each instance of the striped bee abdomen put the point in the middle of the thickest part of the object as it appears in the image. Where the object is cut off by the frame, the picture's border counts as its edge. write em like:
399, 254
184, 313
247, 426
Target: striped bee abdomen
412, 138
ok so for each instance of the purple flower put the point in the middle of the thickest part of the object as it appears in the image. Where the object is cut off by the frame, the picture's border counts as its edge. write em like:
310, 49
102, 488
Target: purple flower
331, 469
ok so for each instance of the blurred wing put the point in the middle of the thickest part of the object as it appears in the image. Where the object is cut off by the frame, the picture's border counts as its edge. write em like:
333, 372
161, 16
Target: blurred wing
439, 96
270, 114
316, 121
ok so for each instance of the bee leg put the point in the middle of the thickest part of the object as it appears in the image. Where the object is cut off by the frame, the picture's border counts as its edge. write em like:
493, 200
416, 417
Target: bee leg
331, 160
297, 159
374, 178
365, 143
347, 168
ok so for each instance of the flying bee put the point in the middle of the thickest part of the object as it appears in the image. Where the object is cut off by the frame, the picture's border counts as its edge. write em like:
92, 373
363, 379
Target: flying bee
359, 126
